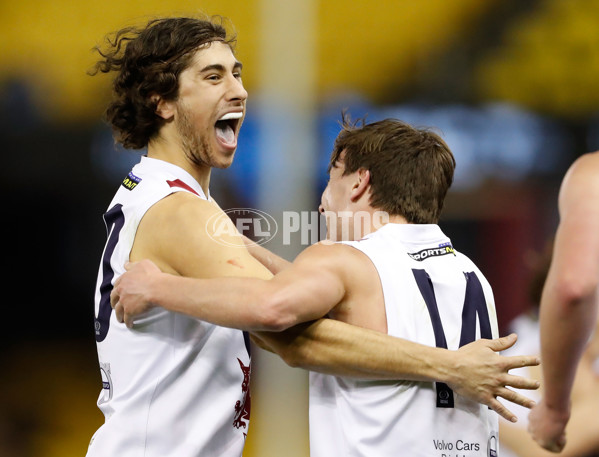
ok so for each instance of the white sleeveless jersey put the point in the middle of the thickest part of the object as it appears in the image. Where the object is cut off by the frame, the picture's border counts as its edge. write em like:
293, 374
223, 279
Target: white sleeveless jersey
434, 296
173, 386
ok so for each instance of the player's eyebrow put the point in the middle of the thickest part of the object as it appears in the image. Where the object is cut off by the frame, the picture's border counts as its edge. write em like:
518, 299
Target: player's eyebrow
220, 67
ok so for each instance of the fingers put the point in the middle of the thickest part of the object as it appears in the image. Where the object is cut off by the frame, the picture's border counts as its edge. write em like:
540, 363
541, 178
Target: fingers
501, 344
496, 406
512, 396
515, 397
120, 290
121, 316
115, 296
115, 303
119, 312
519, 361
520, 382
128, 319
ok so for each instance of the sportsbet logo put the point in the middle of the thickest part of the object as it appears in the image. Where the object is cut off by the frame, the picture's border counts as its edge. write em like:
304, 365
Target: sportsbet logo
434, 252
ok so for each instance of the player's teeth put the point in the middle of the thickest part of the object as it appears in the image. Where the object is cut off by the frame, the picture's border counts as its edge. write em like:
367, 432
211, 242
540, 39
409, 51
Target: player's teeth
231, 116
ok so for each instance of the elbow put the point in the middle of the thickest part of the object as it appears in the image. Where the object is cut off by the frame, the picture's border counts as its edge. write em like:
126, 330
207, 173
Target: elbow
298, 348
295, 356
575, 290
291, 360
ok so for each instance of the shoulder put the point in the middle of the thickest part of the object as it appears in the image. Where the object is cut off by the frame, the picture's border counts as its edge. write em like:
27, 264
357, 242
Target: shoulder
331, 252
183, 233
183, 215
590, 159
581, 181
584, 169
344, 260
182, 208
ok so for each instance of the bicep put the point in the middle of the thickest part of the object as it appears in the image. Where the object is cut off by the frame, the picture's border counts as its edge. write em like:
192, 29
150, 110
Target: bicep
311, 287
177, 235
577, 237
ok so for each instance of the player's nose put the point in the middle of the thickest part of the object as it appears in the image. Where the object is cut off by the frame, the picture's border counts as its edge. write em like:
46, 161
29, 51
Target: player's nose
237, 91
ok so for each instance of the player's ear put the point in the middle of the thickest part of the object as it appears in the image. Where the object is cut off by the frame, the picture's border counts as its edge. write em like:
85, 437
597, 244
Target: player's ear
361, 184
164, 109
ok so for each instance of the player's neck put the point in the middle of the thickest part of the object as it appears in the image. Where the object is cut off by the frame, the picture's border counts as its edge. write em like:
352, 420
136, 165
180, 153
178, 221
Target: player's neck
397, 219
172, 153
371, 220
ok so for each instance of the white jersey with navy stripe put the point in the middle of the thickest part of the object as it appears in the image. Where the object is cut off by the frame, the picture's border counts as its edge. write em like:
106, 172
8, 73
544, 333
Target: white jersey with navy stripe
173, 386
434, 296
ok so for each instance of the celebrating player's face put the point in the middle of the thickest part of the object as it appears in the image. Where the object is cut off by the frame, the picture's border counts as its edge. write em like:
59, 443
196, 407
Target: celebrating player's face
211, 106
334, 204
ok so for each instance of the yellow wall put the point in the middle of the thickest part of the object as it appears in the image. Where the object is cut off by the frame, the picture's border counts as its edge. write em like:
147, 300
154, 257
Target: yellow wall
361, 45
550, 61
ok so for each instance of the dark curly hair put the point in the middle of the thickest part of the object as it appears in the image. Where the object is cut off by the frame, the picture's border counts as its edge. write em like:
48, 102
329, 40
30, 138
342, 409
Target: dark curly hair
411, 169
149, 61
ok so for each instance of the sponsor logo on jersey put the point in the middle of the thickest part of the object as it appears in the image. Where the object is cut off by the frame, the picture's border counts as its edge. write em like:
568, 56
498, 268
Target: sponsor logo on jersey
443, 249
131, 181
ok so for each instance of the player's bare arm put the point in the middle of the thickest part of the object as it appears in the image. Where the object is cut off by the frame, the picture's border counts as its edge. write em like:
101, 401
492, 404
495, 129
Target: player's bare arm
174, 234
273, 262
569, 301
476, 371
581, 430
269, 259
306, 291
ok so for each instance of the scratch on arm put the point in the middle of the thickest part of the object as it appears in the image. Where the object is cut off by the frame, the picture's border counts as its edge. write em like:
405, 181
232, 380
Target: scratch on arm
235, 263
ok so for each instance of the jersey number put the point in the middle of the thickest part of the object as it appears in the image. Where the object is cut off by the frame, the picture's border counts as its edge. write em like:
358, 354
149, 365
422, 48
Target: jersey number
114, 220
474, 304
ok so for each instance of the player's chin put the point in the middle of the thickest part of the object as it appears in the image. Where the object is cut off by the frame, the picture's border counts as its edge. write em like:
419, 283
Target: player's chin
223, 154
224, 160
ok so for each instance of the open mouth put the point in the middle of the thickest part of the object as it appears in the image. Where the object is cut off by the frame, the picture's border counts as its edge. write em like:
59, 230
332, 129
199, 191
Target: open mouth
226, 127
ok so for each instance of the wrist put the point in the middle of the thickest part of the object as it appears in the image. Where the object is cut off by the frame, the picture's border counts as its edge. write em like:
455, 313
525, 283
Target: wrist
448, 365
156, 290
559, 411
438, 365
